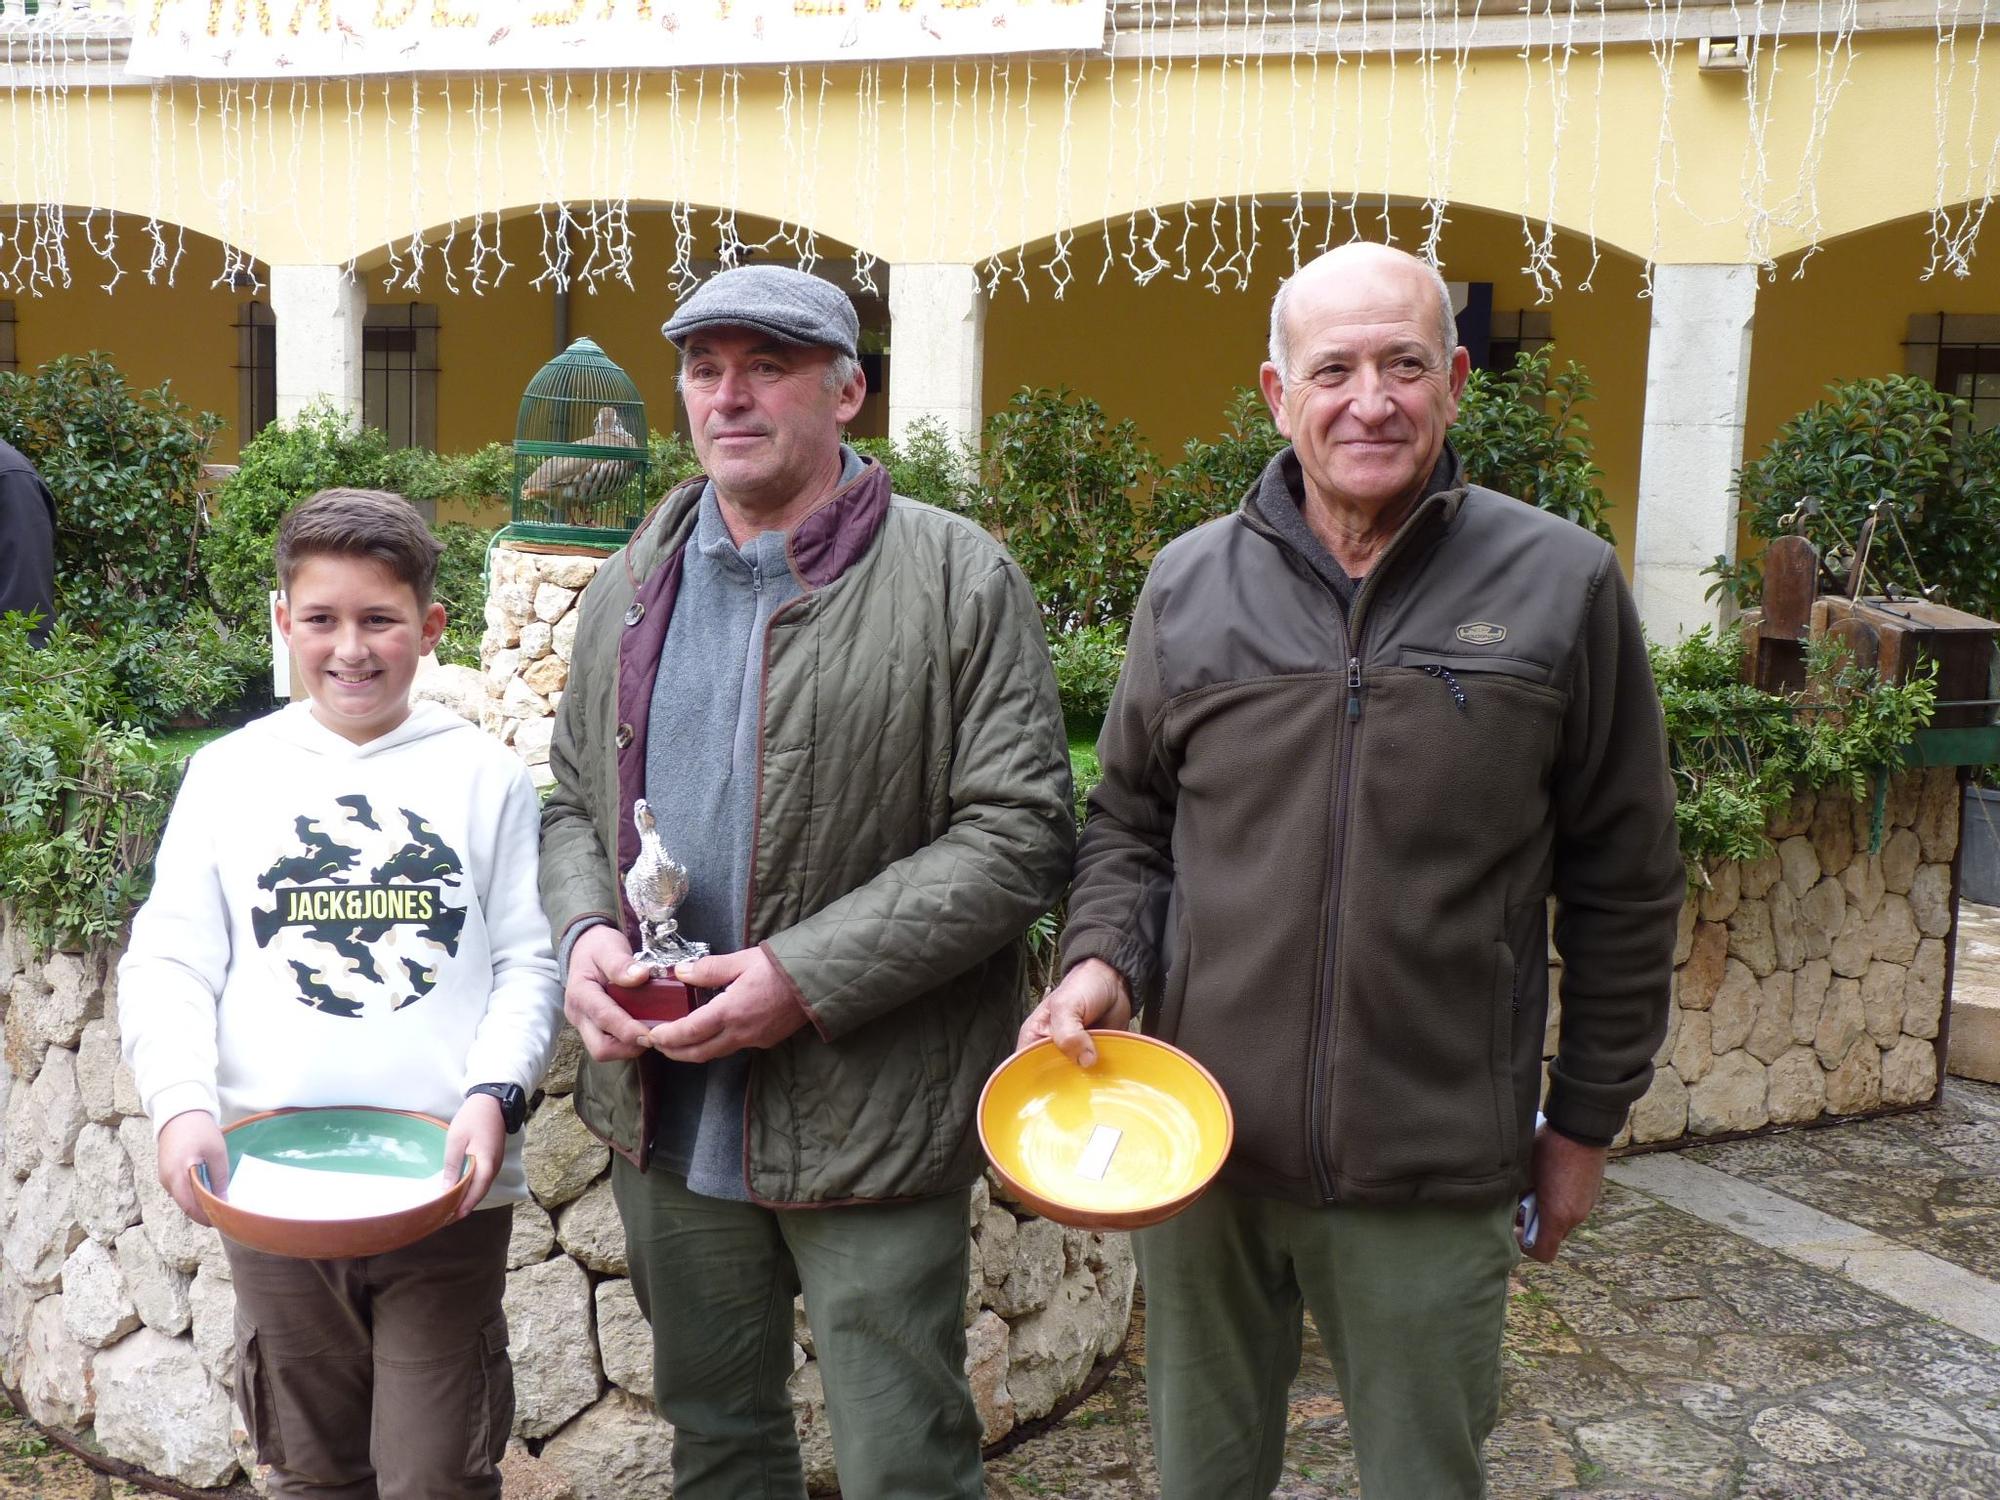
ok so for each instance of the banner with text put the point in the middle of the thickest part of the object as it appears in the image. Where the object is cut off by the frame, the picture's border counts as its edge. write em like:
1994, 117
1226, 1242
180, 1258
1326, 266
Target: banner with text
333, 38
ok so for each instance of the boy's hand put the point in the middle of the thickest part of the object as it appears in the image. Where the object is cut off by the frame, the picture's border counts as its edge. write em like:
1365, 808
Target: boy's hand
599, 958
754, 1006
478, 1128
189, 1137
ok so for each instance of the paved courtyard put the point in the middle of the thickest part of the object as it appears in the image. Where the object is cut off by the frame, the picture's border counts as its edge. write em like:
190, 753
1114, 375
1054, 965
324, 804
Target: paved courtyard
1808, 1316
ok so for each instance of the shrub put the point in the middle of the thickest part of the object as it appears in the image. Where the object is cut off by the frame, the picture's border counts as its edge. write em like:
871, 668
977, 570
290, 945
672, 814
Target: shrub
461, 589
285, 463
194, 670
928, 465
1212, 478
1739, 753
280, 467
1087, 661
1064, 488
124, 469
670, 461
1897, 439
1518, 432
83, 794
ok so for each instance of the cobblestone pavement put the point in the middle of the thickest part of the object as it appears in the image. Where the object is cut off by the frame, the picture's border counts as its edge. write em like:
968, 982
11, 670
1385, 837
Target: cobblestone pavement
1809, 1316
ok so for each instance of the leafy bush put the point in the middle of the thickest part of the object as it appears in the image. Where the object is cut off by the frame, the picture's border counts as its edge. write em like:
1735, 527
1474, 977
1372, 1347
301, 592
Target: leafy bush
1064, 488
284, 464
1518, 432
929, 465
1739, 753
670, 461
485, 474
1899, 439
461, 589
83, 794
195, 669
1212, 478
1087, 662
124, 469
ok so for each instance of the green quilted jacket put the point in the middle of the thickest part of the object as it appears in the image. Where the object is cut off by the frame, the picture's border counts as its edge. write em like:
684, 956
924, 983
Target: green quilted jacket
913, 818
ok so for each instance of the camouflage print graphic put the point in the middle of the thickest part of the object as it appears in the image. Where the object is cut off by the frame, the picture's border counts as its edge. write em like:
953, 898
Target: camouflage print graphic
361, 918
321, 859
363, 813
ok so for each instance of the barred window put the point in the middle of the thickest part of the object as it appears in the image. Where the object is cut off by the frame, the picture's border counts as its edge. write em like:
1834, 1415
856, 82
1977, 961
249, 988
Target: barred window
9, 359
399, 370
1513, 333
1959, 353
256, 369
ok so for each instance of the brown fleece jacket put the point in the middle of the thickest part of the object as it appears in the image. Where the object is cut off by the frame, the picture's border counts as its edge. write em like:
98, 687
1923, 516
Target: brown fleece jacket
1322, 848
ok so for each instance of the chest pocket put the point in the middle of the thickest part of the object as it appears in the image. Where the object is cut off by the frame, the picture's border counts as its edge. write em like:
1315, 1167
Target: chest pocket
1483, 725
1460, 664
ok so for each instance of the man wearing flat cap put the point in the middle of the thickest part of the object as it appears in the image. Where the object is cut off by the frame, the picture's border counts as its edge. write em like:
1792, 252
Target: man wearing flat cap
838, 706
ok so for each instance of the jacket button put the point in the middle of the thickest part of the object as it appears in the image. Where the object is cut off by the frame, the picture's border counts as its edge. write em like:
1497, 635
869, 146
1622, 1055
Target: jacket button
623, 738
636, 613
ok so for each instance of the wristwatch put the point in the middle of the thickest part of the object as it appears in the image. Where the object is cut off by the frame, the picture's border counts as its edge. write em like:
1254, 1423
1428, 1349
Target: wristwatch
512, 1098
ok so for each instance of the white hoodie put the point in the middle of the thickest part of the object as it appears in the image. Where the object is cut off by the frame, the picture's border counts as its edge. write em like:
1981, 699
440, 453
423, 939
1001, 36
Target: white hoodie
334, 923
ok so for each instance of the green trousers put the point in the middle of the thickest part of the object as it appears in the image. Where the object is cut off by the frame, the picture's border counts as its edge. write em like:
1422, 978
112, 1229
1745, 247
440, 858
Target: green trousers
885, 1297
1410, 1302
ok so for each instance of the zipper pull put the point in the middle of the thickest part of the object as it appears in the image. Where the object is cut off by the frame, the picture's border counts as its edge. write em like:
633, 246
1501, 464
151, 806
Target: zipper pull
1443, 674
1353, 687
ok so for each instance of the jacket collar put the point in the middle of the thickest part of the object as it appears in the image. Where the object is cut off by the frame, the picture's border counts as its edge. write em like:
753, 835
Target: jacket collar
831, 539
1282, 483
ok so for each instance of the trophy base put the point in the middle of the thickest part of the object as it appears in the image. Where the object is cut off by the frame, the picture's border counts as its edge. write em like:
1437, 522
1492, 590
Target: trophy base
658, 1000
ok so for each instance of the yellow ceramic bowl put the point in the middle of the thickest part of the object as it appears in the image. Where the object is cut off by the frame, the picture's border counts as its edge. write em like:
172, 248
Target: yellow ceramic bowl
1127, 1142
381, 1142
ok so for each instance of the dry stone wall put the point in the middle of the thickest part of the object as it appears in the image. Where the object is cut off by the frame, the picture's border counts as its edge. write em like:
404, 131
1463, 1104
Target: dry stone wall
116, 1312
1811, 982
531, 605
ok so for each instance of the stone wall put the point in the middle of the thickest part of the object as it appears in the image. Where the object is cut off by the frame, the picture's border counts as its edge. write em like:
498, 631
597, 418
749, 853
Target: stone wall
524, 655
1811, 982
116, 1312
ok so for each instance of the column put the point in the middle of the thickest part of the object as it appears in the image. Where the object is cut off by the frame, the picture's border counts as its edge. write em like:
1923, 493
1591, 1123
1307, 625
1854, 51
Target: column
319, 312
1697, 382
937, 348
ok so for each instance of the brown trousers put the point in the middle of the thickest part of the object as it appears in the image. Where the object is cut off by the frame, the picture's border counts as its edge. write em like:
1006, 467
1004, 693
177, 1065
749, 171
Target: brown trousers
380, 1378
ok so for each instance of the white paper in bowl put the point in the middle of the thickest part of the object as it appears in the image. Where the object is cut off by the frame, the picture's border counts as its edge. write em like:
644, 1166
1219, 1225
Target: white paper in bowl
284, 1192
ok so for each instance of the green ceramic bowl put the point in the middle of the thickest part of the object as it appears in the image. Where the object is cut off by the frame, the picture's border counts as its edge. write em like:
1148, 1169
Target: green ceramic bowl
342, 1141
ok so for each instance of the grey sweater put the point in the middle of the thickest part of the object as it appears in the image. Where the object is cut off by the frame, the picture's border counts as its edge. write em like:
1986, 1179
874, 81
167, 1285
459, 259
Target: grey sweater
701, 782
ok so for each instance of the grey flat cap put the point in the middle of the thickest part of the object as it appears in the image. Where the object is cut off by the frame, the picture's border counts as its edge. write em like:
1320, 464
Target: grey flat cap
787, 304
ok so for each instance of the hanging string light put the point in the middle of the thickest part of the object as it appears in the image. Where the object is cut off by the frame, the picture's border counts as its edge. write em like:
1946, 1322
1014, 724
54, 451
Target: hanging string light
1182, 111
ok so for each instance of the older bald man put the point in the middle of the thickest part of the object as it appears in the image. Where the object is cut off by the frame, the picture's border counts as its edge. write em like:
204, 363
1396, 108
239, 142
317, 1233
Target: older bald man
1367, 725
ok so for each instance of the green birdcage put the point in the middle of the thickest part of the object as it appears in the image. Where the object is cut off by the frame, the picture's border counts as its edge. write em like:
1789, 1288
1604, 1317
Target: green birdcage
580, 451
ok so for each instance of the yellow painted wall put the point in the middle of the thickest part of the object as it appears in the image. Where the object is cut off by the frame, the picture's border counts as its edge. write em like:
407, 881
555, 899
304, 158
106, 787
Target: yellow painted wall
154, 333
1847, 317
1681, 166
1169, 354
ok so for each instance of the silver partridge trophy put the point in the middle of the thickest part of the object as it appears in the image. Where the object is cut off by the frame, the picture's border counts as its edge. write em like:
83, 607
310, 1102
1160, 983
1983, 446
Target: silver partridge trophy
655, 886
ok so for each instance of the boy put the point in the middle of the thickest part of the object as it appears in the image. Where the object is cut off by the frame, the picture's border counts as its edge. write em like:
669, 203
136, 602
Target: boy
386, 1375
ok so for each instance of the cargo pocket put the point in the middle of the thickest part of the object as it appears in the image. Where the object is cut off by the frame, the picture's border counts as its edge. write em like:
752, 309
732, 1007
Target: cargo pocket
492, 1415
255, 1400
